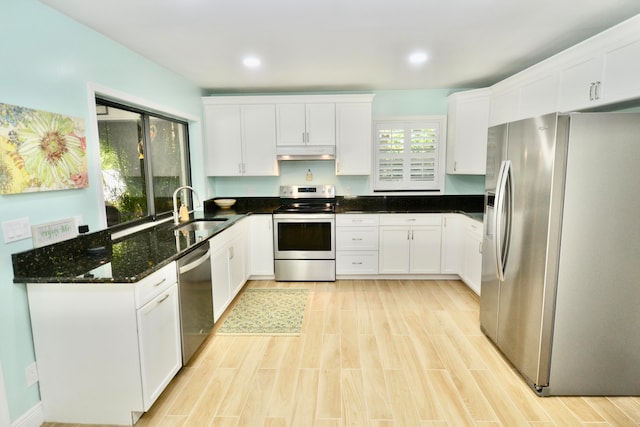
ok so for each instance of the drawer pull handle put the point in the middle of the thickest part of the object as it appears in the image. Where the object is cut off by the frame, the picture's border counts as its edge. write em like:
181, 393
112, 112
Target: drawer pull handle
160, 282
160, 301
357, 263
356, 239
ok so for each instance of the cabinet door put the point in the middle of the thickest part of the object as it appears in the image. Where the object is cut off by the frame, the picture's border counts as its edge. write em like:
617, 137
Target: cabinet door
159, 342
220, 281
450, 254
468, 122
621, 79
472, 259
394, 249
321, 124
425, 249
291, 124
539, 95
259, 140
223, 140
237, 271
353, 138
261, 245
577, 82
504, 105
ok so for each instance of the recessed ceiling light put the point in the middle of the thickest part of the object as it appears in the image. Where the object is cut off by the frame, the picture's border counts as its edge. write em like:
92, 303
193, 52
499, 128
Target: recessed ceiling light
418, 58
251, 62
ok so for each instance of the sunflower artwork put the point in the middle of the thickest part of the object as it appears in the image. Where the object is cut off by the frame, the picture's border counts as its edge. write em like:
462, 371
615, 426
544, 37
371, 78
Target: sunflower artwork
41, 151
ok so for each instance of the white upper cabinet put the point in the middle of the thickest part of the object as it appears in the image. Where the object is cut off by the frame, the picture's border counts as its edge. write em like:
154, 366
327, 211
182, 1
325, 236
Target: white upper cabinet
244, 135
505, 99
223, 139
353, 138
621, 76
240, 139
306, 124
603, 76
581, 83
602, 70
258, 137
467, 124
527, 94
539, 92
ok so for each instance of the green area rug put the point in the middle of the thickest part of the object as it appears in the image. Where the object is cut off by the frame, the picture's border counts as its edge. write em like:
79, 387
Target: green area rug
267, 312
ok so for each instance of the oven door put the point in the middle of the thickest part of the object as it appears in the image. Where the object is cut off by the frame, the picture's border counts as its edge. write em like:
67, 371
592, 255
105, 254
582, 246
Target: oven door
304, 236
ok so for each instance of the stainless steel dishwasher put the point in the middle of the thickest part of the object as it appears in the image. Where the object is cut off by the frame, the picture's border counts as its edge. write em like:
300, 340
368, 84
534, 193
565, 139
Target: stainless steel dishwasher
196, 299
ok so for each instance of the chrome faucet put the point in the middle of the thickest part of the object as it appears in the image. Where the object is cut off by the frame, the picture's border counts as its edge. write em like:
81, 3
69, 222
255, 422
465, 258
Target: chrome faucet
176, 216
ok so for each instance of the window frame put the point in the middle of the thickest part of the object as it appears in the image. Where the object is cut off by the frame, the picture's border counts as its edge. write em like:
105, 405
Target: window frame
438, 187
146, 114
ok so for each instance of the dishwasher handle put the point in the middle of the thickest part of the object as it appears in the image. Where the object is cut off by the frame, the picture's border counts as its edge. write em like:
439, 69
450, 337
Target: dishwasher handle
188, 267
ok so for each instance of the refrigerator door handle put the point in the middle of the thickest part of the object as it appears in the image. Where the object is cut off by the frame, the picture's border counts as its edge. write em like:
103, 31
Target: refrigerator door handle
502, 217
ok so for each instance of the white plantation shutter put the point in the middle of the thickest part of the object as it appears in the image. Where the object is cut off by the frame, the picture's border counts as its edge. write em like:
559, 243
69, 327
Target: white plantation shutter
409, 154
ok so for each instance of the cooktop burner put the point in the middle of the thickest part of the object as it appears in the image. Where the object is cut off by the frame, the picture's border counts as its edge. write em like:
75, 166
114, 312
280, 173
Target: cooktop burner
307, 199
306, 208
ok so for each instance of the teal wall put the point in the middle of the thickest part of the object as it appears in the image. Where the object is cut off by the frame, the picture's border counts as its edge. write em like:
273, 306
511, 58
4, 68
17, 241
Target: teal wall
47, 62
388, 103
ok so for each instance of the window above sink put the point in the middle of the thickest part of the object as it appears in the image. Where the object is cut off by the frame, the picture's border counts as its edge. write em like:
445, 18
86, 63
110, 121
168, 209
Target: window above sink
144, 157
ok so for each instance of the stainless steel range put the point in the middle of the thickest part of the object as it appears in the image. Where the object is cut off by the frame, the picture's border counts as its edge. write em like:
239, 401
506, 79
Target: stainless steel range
304, 234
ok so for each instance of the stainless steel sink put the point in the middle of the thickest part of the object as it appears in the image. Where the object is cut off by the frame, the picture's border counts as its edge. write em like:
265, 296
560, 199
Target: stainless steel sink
200, 224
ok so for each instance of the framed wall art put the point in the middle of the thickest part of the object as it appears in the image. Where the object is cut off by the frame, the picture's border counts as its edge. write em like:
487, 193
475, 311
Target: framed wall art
41, 151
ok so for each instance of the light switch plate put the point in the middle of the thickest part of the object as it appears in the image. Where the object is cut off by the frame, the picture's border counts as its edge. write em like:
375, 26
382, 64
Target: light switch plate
16, 229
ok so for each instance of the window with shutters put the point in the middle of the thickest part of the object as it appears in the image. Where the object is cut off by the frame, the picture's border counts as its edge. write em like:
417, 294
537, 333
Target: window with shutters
409, 154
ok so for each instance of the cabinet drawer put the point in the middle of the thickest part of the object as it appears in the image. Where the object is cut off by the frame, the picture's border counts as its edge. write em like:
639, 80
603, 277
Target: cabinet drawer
356, 238
410, 219
147, 288
357, 262
356, 220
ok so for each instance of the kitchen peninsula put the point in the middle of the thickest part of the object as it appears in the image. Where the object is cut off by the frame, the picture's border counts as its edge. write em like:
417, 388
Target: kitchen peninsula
97, 302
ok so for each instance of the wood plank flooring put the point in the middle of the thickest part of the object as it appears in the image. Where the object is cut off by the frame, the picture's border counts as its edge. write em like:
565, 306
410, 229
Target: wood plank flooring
372, 353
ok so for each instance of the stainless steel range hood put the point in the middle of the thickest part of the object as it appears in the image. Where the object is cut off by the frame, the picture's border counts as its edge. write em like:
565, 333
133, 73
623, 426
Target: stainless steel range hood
306, 152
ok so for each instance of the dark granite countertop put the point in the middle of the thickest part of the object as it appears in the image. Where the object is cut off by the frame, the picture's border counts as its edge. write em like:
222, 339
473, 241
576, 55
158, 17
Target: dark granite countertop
366, 204
95, 258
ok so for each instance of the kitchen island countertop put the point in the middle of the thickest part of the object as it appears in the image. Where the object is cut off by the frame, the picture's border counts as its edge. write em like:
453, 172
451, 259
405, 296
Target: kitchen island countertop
95, 258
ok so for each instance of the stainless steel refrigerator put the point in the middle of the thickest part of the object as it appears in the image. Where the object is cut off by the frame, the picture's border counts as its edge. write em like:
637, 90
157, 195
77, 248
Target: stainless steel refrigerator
560, 293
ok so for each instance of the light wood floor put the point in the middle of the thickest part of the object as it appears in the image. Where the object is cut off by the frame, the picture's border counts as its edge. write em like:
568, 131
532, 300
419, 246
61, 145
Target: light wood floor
372, 353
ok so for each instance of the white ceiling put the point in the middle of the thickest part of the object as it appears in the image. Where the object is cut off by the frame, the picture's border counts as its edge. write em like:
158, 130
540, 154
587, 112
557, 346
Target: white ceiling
307, 45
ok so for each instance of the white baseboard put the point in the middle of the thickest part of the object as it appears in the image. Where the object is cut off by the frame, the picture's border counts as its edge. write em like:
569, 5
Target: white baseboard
34, 417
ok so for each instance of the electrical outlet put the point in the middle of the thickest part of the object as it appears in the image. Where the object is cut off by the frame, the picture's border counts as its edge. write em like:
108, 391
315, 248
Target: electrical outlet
31, 373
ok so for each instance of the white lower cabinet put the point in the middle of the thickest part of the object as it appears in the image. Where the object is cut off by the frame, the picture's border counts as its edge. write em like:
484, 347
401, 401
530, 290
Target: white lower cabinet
410, 244
105, 351
450, 254
261, 245
228, 265
160, 355
356, 244
471, 251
